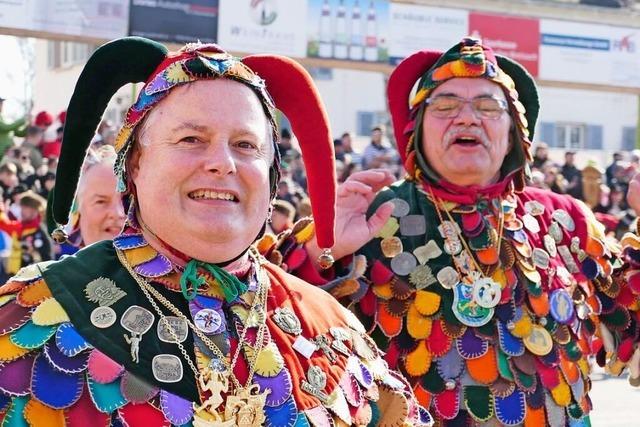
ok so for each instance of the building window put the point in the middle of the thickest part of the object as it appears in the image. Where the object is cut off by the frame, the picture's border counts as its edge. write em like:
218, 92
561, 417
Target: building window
62, 54
570, 136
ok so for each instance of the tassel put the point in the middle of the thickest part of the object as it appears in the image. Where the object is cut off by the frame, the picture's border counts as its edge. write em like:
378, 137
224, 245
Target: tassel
231, 286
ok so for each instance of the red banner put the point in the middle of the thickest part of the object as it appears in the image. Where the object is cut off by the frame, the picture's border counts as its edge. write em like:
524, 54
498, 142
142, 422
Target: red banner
517, 38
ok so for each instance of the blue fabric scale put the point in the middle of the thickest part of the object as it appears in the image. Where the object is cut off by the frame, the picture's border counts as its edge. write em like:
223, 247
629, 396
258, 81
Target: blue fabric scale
55, 388
69, 341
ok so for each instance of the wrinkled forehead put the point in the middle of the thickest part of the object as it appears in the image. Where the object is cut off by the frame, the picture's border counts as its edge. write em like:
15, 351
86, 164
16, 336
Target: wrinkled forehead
469, 87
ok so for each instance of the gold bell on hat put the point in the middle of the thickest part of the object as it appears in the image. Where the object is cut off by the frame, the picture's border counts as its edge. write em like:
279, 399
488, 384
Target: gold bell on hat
325, 260
59, 235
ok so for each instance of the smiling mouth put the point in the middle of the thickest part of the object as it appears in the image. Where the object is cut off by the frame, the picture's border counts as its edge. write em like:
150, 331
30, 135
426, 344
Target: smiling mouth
212, 195
467, 141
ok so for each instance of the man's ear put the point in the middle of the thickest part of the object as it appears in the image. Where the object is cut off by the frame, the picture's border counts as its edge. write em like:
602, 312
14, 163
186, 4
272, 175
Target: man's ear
133, 162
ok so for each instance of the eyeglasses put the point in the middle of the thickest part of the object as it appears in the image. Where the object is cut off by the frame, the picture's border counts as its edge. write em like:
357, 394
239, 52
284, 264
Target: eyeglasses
449, 106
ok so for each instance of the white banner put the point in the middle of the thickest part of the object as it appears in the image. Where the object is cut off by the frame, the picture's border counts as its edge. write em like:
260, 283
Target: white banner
414, 28
263, 26
589, 53
102, 19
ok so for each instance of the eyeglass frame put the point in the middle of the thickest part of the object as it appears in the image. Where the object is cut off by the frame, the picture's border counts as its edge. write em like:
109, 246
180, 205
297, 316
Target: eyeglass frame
504, 105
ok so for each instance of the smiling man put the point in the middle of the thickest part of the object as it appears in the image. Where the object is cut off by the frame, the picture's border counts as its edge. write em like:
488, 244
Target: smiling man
177, 320
488, 295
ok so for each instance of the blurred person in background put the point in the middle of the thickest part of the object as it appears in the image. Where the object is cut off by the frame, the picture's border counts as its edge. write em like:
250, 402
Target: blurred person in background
612, 170
10, 129
553, 179
540, 155
8, 177
572, 175
347, 146
32, 145
282, 216
97, 212
377, 154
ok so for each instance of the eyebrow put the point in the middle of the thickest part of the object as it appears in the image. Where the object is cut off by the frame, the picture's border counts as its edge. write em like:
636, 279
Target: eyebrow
189, 125
482, 95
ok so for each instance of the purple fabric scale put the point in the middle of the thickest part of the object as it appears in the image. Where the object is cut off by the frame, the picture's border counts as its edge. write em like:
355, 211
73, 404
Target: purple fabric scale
470, 346
177, 410
280, 386
15, 376
158, 266
450, 365
70, 365
360, 372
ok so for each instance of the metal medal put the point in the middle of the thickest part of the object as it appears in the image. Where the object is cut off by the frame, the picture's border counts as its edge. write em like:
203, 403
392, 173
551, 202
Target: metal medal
178, 325
539, 341
391, 246
137, 320
449, 230
534, 207
540, 258
207, 320
569, 262
561, 306
403, 263
103, 317
103, 291
448, 277
564, 219
575, 244
422, 277
167, 368
486, 292
315, 383
287, 320
303, 346
413, 225
340, 335
427, 252
555, 231
389, 228
531, 223
323, 343
452, 246
400, 208
550, 245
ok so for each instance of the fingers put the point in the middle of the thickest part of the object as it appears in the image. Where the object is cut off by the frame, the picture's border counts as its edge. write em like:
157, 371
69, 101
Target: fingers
348, 187
376, 178
379, 218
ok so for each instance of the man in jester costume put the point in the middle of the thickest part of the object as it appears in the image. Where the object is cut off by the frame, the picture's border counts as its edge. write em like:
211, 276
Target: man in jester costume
177, 321
487, 295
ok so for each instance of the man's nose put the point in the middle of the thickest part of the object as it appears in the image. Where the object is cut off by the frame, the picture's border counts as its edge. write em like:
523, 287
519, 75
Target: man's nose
467, 115
219, 159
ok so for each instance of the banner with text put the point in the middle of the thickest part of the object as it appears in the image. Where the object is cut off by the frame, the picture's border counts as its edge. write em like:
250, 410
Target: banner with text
414, 28
98, 19
263, 26
351, 30
589, 53
514, 37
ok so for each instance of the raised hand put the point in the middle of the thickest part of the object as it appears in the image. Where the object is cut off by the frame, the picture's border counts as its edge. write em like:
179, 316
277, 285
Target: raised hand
353, 230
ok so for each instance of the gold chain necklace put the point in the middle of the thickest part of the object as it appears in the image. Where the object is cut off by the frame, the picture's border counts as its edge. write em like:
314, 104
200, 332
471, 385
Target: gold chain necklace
244, 403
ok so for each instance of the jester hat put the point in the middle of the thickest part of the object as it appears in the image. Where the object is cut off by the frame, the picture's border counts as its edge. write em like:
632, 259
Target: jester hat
469, 58
279, 83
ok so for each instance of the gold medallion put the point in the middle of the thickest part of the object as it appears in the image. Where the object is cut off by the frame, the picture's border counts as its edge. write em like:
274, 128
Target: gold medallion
391, 246
539, 342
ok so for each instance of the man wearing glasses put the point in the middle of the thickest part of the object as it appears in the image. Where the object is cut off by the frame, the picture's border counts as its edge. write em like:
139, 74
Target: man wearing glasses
488, 295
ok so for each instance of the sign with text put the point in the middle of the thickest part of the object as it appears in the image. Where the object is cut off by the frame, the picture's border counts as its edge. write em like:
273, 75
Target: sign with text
511, 36
414, 28
589, 53
177, 21
98, 19
263, 26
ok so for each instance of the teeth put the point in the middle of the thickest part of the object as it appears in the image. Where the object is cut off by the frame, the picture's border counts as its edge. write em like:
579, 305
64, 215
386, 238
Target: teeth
211, 195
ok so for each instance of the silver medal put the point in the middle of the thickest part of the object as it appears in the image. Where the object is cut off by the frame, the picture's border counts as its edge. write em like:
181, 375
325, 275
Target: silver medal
540, 258
564, 219
167, 368
448, 277
555, 231
103, 317
486, 292
550, 245
531, 223
315, 383
400, 208
167, 324
137, 320
413, 225
534, 207
403, 263
103, 291
287, 320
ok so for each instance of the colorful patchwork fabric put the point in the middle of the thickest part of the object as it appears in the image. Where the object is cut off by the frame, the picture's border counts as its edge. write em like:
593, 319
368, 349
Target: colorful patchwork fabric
60, 368
510, 343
